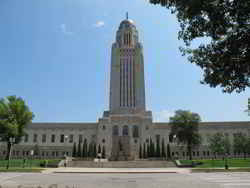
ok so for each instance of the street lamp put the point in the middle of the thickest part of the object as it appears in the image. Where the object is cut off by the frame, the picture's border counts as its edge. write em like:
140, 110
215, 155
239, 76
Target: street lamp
11, 141
31, 155
65, 152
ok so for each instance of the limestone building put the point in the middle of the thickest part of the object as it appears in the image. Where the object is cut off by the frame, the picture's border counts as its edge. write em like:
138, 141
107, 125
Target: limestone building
127, 125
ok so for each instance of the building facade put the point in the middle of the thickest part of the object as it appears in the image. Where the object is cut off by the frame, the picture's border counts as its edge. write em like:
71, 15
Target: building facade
127, 126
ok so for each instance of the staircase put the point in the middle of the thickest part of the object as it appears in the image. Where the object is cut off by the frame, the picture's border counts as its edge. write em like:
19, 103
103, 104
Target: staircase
122, 164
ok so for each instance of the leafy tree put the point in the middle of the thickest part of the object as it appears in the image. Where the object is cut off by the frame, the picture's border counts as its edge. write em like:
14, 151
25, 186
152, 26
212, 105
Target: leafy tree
103, 152
241, 143
163, 153
74, 150
225, 23
219, 144
15, 115
79, 152
144, 151
158, 149
99, 149
85, 148
148, 150
184, 124
168, 152
140, 152
94, 152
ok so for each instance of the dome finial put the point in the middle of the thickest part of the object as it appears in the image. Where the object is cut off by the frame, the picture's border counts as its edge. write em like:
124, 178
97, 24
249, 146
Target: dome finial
127, 15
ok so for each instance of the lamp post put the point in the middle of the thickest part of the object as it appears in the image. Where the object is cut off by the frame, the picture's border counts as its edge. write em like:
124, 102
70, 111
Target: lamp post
65, 151
31, 155
11, 141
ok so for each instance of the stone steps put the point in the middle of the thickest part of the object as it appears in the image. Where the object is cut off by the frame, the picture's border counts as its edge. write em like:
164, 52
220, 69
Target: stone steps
122, 164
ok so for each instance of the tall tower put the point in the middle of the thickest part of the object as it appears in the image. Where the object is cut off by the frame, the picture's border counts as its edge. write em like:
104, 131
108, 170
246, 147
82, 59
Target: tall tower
127, 85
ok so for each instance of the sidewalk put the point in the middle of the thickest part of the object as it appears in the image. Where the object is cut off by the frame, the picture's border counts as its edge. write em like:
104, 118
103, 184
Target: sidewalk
117, 170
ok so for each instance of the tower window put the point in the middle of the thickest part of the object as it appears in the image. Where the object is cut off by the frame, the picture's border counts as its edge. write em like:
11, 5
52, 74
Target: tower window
125, 130
115, 130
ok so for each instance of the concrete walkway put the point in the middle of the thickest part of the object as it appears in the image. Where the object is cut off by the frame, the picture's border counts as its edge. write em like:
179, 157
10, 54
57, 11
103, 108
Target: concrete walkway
117, 170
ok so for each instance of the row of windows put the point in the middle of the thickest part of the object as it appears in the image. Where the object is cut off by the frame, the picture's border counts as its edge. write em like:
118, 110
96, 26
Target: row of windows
205, 153
63, 138
42, 153
125, 131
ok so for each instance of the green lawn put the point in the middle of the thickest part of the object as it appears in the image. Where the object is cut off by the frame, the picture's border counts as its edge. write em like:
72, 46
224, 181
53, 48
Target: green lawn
12, 169
20, 163
219, 163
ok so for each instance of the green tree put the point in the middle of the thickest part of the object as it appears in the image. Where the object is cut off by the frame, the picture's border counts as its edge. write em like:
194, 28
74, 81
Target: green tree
163, 153
15, 115
99, 149
185, 125
168, 152
74, 150
148, 150
79, 151
140, 152
225, 56
94, 152
241, 143
158, 148
85, 148
144, 151
219, 144
103, 152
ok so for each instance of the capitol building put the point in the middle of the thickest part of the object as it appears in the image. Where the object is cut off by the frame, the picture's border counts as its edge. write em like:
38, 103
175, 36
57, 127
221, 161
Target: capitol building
127, 126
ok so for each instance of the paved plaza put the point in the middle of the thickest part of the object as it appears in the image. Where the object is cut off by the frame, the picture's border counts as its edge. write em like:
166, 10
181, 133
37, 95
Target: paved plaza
124, 180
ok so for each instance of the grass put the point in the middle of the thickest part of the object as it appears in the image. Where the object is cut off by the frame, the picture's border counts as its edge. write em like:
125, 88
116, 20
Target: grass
12, 169
22, 164
219, 163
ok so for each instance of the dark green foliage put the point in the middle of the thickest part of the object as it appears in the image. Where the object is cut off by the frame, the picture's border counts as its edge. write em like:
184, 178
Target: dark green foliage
15, 115
144, 151
85, 148
184, 125
225, 58
99, 149
140, 152
148, 150
168, 152
103, 152
79, 151
158, 149
94, 152
74, 150
163, 153
241, 143
219, 144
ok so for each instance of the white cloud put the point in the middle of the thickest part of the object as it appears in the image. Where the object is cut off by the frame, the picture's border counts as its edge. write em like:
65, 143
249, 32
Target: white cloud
163, 115
64, 30
99, 24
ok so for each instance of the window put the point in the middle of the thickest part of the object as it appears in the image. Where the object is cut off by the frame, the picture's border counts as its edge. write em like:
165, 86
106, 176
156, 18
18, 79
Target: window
135, 131
125, 130
115, 130
103, 127
53, 138
80, 138
26, 138
62, 138
103, 140
43, 138
35, 138
71, 138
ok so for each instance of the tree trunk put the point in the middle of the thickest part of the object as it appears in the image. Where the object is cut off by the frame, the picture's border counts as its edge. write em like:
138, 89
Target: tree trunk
8, 150
190, 152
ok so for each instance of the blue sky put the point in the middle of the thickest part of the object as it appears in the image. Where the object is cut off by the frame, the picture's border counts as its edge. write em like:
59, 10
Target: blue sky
55, 54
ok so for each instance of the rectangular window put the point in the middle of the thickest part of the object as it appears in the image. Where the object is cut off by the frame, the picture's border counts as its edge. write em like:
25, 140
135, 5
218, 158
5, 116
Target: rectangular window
71, 138
62, 138
53, 138
43, 138
26, 138
35, 138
